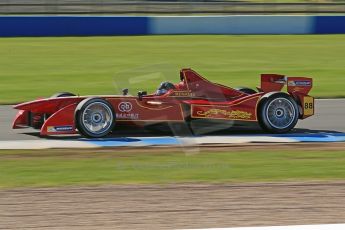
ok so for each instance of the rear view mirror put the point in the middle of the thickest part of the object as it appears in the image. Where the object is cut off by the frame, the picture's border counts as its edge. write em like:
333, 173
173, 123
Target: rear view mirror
141, 94
125, 92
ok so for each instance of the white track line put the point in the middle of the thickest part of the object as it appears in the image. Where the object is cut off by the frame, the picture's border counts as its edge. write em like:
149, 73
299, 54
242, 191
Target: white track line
236, 139
44, 144
142, 141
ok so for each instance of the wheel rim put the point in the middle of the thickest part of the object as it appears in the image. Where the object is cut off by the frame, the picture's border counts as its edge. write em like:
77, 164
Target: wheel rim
97, 118
280, 113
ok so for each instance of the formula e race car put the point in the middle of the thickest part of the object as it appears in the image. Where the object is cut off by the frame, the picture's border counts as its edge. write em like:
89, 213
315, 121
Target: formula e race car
193, 98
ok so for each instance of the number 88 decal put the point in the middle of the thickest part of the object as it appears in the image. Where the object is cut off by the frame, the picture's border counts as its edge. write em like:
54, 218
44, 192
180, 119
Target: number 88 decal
308, 105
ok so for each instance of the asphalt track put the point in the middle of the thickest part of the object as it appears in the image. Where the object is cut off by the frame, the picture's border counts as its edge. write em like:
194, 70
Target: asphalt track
329, 117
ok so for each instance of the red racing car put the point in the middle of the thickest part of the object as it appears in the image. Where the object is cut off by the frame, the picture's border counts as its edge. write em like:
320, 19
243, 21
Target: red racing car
193, 98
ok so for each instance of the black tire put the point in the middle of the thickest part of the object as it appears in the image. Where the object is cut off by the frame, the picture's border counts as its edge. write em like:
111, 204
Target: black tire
93, 112
62, 94
277, 112
246, 90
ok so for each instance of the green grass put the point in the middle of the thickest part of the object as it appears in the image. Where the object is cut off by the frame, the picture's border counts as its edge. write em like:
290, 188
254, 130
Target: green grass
33, 67
89, 167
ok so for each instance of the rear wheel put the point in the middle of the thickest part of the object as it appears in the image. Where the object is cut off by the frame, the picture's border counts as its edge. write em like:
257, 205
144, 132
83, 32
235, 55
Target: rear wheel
94, 117
246, 90
278, 113
62, 94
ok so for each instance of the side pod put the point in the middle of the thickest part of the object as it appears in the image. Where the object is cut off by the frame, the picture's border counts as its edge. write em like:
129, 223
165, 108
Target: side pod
61, 122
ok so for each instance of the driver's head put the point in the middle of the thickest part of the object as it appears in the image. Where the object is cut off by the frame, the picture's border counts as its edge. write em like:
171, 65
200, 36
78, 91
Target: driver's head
164, 88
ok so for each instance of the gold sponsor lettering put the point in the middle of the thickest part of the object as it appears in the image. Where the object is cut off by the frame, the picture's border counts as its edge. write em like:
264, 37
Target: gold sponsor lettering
182, 94
233, 114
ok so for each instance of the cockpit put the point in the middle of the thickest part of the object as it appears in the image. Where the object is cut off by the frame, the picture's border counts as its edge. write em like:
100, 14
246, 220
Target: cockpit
164, 87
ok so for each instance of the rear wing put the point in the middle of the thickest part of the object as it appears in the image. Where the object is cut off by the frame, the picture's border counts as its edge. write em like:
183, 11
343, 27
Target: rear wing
295, 85
298, 87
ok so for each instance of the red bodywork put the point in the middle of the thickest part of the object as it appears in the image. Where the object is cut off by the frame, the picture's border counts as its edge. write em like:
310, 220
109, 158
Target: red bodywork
194, 98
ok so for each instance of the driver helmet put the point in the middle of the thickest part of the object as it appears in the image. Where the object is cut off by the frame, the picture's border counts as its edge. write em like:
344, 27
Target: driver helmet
164, 88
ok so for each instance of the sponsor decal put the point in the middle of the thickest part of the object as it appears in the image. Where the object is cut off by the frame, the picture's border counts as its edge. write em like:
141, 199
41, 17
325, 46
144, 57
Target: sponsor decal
124, 113
182, 94
125, 107
291, 83
64, 128
233, 114
129, 116
299, 83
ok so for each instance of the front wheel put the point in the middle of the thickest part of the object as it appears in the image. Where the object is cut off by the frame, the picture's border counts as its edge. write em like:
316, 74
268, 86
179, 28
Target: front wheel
94, 117
278, 113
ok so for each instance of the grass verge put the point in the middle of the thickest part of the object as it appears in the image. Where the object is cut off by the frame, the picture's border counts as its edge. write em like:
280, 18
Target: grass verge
91, 167
34, 67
